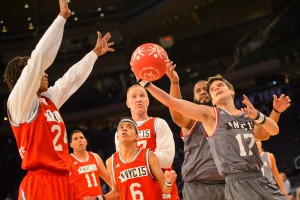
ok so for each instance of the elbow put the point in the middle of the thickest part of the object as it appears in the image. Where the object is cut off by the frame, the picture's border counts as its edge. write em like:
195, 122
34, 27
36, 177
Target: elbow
274, 131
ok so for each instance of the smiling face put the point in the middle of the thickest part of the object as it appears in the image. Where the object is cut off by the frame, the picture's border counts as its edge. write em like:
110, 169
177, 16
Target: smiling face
137, 100
127, 132
200, 94
78, 142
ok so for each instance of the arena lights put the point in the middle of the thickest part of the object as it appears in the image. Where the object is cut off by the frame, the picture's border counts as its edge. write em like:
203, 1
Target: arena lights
4, 29
30, 26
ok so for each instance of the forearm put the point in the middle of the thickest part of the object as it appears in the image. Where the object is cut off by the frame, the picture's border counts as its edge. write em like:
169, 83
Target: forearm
72, 79
280, 183
270, 126
165, 159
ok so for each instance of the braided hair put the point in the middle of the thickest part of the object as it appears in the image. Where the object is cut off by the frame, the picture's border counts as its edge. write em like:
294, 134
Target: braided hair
13, 70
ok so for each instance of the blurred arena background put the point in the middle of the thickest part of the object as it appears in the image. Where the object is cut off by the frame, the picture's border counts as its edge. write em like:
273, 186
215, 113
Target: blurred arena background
255, 44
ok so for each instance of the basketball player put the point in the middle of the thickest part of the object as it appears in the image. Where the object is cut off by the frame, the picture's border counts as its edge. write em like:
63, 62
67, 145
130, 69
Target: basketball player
269, 168
199, 172
135, 171
33, 112
87, 167
154, 132
231, 135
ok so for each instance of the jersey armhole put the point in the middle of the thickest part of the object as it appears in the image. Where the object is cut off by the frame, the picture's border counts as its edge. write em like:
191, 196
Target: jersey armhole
147, 163
217, 117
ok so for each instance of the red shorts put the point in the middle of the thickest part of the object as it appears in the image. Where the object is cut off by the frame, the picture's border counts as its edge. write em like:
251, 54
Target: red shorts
42, 184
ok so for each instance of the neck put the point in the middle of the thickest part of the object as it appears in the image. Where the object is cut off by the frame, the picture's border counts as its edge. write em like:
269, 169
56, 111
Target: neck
229, 107
82, 155
128, 152
139, 117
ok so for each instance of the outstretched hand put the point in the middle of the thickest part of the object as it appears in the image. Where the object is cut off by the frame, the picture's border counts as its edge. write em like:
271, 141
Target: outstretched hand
171, 73
252, 112
64, 9
102, 44
282, 103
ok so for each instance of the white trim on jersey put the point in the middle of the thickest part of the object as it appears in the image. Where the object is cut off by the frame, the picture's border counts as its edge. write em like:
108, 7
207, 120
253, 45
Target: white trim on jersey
147, 163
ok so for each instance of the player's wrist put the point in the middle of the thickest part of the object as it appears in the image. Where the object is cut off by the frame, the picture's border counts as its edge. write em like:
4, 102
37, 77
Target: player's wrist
100, 197
168, 184
144, 83
174, 82
261, 118
275, 110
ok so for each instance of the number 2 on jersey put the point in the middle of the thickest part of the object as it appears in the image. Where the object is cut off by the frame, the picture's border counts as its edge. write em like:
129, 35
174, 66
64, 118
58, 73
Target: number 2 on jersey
57, 130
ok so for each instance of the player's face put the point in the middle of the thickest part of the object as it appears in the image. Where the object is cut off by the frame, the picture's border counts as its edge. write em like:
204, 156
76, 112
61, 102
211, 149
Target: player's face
219, 92
127, 132
137, 100
200, 94
78, 141
44, 83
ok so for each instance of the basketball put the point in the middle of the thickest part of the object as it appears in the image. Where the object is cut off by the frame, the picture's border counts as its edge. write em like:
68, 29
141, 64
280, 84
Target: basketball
148, 62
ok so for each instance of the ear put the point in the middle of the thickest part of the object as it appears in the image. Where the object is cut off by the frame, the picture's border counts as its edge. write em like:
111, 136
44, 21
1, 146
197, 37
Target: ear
71, 145
127, 104
232, 92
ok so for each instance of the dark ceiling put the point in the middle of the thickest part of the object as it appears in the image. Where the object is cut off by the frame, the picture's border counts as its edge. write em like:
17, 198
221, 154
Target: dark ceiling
206, 33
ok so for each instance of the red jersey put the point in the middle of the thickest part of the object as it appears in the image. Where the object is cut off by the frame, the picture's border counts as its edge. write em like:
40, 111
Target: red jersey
85, 174
42, 141
147, 139
147, 135
134, 179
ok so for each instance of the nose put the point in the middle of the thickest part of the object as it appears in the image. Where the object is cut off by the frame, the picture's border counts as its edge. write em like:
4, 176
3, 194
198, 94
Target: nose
45, 75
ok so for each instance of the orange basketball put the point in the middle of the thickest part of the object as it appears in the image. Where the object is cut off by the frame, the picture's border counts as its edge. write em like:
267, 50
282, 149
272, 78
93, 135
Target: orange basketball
148, 62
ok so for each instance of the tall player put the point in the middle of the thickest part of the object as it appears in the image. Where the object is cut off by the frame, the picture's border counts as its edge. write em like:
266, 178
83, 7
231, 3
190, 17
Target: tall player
154, 132
201, 178
199, 172
33, 112
231, 136
87, 167
269, 168
136, 171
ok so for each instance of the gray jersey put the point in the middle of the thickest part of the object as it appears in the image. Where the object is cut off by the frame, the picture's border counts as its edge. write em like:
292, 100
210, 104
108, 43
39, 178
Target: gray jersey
233, 145
266, 169
198, 164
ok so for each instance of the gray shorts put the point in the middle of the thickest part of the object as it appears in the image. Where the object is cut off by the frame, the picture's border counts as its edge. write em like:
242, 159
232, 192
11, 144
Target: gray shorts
202, 191
251, 186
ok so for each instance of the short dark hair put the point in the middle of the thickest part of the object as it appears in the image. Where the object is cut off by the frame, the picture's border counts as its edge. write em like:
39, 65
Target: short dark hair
75, 131
130, 120
217, 77
13, 71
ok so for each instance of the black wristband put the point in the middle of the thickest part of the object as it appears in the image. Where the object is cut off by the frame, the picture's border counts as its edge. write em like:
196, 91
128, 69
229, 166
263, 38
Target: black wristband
147, 85
276, 111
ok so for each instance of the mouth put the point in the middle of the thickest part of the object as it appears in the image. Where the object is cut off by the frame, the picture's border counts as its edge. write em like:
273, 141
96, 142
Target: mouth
218, 93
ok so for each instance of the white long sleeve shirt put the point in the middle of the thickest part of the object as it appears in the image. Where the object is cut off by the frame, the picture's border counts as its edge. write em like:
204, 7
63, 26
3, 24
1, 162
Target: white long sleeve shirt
23, 100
